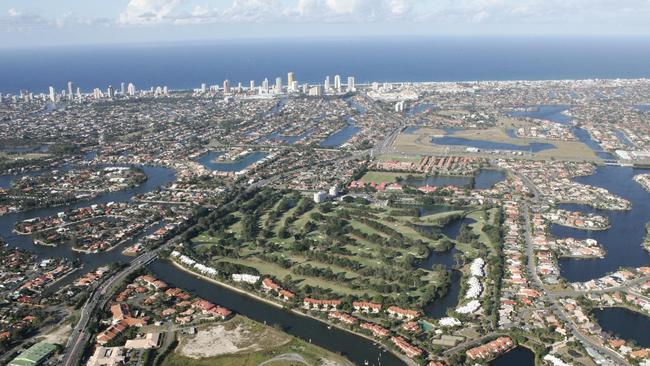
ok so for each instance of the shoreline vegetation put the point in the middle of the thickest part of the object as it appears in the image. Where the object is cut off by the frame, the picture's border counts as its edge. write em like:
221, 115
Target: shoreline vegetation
256, 297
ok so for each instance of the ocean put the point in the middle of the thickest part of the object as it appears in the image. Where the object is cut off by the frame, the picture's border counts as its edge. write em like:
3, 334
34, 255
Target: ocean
187, 65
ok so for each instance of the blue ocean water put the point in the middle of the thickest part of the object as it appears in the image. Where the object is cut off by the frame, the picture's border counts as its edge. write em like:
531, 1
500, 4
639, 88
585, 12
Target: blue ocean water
187, 65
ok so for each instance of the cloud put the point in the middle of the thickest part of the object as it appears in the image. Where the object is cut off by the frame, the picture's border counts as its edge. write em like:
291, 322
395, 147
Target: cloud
331, 11
599, 14
148, 12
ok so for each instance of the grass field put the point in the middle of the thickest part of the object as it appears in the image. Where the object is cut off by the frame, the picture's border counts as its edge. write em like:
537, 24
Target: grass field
420, 143
384, 177
340, 248
244, 342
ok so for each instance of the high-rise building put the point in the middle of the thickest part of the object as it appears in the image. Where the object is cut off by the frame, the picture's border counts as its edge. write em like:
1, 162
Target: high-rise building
290, 79
226, 86
110, 91
70, 95
122, 88
165, 90
203, 88
131, 89
52, 94
351, 85
252, 85
327, 84
78, 93
278, 85
316, 91
265, 85
337, 83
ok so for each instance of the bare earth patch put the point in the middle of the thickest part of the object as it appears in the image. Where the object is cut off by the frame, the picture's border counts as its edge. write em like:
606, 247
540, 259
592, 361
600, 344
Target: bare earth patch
219, 340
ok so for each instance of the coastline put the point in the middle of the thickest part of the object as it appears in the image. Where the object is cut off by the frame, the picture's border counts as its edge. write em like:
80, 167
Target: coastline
407, 360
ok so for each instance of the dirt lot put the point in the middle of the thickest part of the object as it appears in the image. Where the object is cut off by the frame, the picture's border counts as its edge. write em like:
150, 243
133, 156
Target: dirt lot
236, 336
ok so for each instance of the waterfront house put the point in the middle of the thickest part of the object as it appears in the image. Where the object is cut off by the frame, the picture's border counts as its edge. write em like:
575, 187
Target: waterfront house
366, 307
400, 313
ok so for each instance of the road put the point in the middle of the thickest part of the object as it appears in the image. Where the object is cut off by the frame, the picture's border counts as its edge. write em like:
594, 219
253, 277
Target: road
623, 287
98, 299
555, 306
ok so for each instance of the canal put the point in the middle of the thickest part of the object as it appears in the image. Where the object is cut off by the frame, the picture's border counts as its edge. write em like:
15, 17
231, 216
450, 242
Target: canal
622, 242
209, 160
356, 349
625, 324
519, 356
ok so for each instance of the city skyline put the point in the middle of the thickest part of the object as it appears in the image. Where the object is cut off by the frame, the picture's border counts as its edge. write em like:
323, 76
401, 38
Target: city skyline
71, 22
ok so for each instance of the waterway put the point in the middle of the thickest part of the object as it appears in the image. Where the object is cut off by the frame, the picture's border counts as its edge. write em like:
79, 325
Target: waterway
340, 137
484, 179
355, 348
157, 176
208, 160
519, 356
625, 324
556, 113
622, 242
491, 145
438, 308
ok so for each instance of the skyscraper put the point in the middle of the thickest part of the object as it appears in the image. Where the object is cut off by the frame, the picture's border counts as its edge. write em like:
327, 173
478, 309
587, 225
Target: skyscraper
52, 94
252, 85
327, 84
70, 95
265, 85
226, 86
131, 89
290, 79
337, 83
122, 88
278, 85
351, 86
203, 88
110, 91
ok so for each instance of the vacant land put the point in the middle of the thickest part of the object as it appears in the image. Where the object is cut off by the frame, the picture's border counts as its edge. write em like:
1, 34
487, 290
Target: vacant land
244, 342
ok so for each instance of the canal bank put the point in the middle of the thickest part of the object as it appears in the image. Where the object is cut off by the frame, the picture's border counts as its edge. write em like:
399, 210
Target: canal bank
356, 347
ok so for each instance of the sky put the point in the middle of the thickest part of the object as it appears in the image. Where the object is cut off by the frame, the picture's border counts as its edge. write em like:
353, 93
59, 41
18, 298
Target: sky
38, 23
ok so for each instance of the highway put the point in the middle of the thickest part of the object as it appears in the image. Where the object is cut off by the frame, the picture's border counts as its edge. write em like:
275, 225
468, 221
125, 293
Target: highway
98, 299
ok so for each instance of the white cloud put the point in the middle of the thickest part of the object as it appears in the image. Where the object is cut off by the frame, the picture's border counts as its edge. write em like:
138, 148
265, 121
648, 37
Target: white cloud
601, 14
13, 13
147, 12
